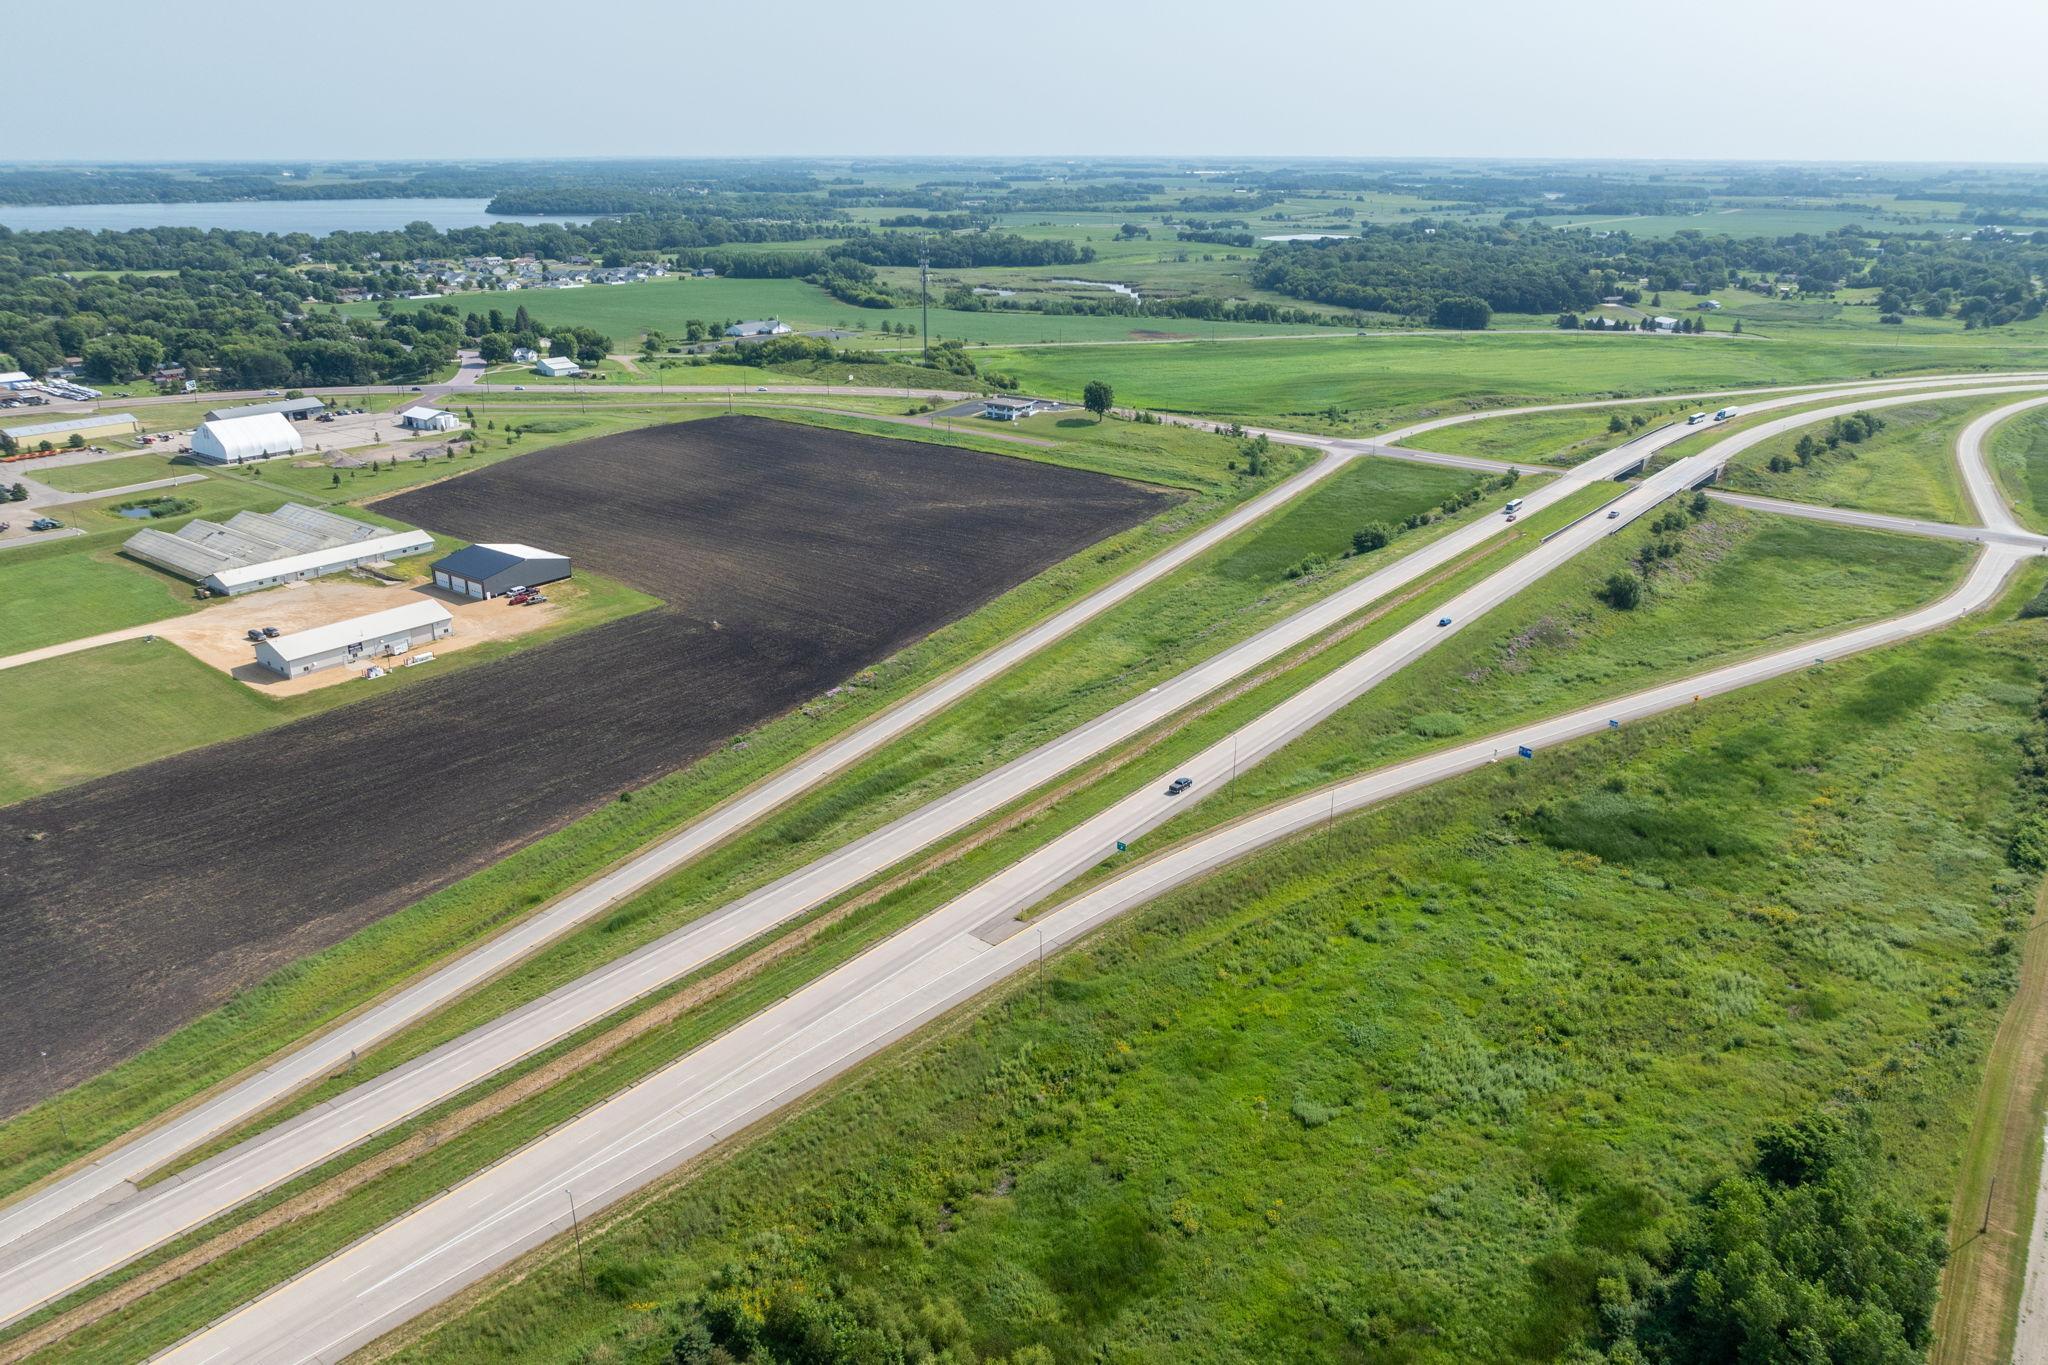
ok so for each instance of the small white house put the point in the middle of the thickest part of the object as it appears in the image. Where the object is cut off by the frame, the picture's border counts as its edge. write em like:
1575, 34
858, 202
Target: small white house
428, 419
1664, 324
380, 635
525, 355
758, 327
556, 367
1010, 409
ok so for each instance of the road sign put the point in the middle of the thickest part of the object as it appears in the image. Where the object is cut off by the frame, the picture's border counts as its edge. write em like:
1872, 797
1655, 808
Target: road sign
1122, 847
1525, 751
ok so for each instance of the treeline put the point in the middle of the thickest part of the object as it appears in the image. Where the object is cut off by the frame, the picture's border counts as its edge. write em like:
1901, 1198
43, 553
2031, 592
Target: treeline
963, 251
1411, 268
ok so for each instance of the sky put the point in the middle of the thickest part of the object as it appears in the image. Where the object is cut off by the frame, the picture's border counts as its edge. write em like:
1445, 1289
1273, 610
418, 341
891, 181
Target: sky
1885, 80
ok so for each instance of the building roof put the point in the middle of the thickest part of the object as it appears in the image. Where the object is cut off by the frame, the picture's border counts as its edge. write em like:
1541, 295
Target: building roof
754, 325
36, 431
240, 438
13, 377
305, 644
423, 414
479, 562
314, 561
1009, 402
283, 405
202, 548
554, 360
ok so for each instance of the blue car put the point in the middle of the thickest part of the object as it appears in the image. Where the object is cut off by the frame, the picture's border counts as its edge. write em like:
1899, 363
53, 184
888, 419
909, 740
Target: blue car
1443, 620
1179, 785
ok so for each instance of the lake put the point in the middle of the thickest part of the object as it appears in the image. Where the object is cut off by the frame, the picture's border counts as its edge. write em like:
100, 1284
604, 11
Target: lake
315, 216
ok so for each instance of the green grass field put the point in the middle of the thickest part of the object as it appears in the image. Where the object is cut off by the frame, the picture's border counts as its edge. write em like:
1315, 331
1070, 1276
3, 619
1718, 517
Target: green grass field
1559, 438
1404, 1089
1908, 468
2018, 452
1359, 385
91, 478
60, 597
1742, 583
76, 717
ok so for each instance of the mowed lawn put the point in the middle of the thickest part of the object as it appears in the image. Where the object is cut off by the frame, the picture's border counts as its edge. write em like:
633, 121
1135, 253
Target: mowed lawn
139, 701
91, 478
1908, 468
2019, 459
51, 598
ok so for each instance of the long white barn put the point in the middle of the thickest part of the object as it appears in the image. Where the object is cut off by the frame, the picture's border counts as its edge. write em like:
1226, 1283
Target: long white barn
252, 550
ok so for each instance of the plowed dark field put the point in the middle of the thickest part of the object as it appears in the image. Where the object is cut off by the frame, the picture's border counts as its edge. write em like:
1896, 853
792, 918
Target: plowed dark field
158, 892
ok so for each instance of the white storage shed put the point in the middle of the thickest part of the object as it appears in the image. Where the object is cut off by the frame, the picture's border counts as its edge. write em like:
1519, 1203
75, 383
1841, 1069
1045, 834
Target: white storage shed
380, 635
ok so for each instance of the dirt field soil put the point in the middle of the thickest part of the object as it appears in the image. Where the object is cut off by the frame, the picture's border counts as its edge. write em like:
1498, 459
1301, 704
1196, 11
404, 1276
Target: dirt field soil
790, 557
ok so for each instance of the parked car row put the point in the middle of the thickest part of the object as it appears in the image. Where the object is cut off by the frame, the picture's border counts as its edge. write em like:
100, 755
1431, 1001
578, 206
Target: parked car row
256, 635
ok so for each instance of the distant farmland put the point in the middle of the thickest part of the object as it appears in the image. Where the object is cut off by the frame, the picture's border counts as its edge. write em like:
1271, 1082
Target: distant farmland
789, 556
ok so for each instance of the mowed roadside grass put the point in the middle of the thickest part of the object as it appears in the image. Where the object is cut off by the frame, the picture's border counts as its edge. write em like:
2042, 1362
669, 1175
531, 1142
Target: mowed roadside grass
1401, 1089
1908, 468
1559, 438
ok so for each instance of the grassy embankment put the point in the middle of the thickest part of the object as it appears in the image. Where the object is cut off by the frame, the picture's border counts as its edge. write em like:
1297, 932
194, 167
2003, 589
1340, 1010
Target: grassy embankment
2018, 452
320, 989
201, 1291
1402, 1089
1908, 468
1559, 438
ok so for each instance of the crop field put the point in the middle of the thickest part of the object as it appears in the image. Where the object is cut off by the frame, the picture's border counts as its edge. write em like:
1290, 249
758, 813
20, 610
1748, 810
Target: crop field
1402, 1090
790, 557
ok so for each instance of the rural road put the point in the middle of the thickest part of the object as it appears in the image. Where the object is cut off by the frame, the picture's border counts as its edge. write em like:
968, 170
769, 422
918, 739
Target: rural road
74, 1244
1880, 521
956, 952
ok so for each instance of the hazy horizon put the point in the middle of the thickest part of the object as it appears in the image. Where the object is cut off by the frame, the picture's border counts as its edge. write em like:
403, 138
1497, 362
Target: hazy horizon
1749, 80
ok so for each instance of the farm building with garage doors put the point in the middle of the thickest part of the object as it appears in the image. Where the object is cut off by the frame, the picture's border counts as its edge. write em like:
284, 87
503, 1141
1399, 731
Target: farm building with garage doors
488, 570
236, 440
380, 635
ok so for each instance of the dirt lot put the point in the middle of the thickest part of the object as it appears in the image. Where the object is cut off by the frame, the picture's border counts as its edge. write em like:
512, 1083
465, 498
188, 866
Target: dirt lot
218, 635
790, 556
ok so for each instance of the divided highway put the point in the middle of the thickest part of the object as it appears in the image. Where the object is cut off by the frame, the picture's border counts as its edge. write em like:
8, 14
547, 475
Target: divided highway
949, 956
64, 1237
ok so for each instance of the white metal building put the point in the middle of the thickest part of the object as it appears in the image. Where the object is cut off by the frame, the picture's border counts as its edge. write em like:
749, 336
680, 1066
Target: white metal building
428, 419
758, 327
235, 440
380, 635
556, 366
252, 550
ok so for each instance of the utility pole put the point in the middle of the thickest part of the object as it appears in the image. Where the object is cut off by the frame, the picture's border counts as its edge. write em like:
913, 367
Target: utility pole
576, 1225
924, 286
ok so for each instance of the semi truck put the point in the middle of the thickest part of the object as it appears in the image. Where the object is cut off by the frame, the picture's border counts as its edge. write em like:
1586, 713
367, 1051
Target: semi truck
1725, 413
